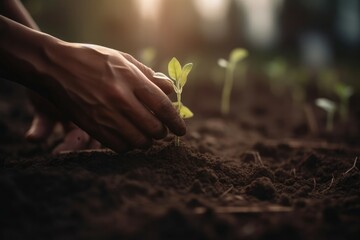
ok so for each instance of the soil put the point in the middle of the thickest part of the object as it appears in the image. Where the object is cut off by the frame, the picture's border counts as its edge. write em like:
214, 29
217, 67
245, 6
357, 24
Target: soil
260, 173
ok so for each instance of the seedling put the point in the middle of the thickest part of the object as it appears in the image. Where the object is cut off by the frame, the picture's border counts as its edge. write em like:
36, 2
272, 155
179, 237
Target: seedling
326, 80
329, 107
148, 56
179, 76
277, 71
230, 65
344, 92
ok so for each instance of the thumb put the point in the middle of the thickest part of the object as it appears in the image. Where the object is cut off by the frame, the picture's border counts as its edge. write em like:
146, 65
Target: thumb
40, 129
163, 82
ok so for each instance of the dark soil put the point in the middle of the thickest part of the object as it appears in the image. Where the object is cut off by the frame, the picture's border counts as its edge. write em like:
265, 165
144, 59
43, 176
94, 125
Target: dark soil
258, 174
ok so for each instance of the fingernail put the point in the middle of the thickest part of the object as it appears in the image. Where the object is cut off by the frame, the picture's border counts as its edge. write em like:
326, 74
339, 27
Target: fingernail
160, 75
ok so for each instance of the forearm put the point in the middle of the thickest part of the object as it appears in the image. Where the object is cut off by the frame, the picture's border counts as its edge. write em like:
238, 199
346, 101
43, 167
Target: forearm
14, 10
23, 53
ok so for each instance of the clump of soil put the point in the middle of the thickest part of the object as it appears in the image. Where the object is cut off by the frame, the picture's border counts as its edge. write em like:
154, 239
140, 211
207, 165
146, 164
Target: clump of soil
262, 188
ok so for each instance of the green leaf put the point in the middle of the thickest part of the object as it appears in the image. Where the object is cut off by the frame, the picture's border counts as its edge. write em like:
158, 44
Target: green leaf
174, 69
237, 54
343, 91
185, 112
184, 74
223, 63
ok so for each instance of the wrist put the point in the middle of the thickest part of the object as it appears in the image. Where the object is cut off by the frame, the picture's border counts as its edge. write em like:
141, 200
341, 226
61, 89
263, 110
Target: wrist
23, 53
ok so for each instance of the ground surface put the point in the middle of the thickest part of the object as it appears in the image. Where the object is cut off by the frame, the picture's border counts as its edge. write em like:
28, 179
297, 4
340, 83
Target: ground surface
258, 174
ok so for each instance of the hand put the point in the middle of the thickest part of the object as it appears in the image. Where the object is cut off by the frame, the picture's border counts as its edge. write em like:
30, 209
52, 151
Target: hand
109, 95
45, 119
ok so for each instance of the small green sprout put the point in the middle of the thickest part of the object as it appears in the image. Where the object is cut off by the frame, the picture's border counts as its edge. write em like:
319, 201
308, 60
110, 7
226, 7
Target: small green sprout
329, 107
277, 71
235, 56
326, 80
179, 76
148, 56
344, 92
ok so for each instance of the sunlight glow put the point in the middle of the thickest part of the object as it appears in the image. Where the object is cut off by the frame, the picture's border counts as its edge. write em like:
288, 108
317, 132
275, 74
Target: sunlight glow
261, 21
212, 10
149, 9
214, 16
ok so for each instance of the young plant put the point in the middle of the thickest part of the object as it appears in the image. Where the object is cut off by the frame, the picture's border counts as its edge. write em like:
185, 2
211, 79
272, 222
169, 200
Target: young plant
148, 56
344, 92
329, 107
179, 76
235, 56
277, 72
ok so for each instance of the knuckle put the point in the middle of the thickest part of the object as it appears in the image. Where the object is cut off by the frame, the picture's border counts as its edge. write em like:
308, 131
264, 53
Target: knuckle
142, 67
146, 70
128, 56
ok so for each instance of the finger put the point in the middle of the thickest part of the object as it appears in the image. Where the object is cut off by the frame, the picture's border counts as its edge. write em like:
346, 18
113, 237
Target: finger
144, 119
94, 144
122, 127
164, 83
69, 126
40, 129
110, 139
74, 140
162, 107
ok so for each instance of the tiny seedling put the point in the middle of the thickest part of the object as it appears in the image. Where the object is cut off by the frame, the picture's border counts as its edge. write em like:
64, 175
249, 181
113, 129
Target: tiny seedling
329, 107
230, 65
344, 92
148, 56
326, 80
179, 76
277, 72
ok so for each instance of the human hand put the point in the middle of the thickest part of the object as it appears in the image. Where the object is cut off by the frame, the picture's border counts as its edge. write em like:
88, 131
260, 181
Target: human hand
110, 95
46, 118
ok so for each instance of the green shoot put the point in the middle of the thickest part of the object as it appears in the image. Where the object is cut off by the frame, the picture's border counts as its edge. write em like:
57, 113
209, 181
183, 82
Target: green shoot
326, 80
148, 56
235, 56
344, 92
277, 71
329, 107
179, 76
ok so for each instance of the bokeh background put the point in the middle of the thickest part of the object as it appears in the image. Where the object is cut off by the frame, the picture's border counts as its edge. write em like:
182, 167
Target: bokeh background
310, 36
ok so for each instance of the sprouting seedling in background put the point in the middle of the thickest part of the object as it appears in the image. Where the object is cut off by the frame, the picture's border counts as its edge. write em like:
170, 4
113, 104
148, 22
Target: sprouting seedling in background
329, 107
235, 56
179, 76
327, 78
277, 71
147, 56
344, 92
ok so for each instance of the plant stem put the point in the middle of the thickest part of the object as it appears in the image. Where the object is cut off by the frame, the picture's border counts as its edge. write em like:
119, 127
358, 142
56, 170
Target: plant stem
178, 96
343, 110
226, 93
330, 121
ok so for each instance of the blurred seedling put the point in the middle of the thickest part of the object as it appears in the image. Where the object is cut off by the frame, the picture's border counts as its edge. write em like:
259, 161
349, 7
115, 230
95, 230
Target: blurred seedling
148, 55
179, 76
330, 108
236, 55
344, 92
276, 70
326, 80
